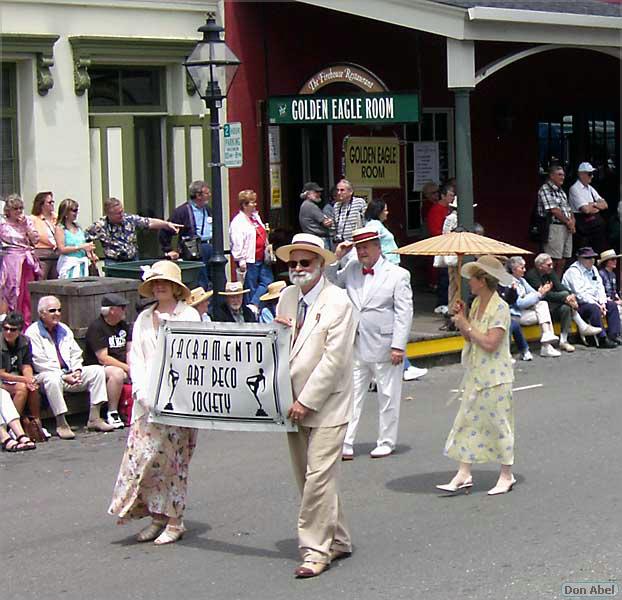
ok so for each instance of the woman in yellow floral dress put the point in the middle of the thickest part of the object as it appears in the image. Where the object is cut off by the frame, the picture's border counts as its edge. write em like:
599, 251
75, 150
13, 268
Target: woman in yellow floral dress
153, 477
483, 430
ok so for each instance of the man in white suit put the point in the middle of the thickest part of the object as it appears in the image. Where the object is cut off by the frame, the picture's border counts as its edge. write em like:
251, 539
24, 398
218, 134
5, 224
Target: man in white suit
323, 329
383, 302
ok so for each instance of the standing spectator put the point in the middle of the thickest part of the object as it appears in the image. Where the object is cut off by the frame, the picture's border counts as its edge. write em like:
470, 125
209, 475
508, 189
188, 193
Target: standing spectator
435, 219
20, 265
233, 309
429, 197
588, 207
608, 262
320, 364
108, 343
530, 307
584, 281
329, 210
9, 418
195, 218
58, 362
199, 300
44, 220
311, 217
153, 477
483, 430
116, 231
349, 212
269, 301
563, 304
382, 297
16, 367
553, 200
76, 253
248, 247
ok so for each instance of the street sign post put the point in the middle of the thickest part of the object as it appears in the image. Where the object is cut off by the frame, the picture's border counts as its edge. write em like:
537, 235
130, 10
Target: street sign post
232, 137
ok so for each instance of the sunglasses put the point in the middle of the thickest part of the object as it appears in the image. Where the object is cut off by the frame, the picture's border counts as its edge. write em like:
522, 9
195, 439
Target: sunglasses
73, 210
9, 328
54, 310
304, 263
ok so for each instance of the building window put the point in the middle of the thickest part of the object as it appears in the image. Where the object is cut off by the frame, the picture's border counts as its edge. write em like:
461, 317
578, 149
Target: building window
436, 125
554, 143
9, 180
127, 89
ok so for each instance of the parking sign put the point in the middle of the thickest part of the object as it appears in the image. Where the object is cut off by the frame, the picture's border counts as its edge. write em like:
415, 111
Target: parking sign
232, 137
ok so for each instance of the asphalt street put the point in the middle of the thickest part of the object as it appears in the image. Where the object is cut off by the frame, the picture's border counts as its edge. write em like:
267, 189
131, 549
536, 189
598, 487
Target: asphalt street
560, 524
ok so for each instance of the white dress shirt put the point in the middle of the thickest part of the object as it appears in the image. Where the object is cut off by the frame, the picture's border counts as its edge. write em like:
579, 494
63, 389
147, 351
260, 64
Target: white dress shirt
368, 280
311, 296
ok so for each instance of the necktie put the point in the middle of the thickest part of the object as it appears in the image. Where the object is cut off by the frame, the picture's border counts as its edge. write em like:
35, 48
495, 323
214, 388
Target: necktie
369, 271
301, 313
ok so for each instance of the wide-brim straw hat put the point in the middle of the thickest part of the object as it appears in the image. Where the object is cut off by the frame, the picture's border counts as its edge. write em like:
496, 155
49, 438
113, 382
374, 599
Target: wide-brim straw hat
308, 242
274, 291
198, 295
488, 264
607, 255
233, 288
163, 270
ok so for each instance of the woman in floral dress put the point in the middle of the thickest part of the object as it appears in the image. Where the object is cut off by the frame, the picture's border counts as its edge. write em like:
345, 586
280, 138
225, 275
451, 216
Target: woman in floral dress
153, 477
483, 430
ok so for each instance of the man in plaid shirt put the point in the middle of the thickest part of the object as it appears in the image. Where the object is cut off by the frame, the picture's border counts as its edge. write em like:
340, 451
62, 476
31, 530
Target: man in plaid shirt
553, 199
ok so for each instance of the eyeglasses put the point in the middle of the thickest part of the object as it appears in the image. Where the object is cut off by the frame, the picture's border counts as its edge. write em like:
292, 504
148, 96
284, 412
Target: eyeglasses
74, 210
9, 328
54, 310
304, 263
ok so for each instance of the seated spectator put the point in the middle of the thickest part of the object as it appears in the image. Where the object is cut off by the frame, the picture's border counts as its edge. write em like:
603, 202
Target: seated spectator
510, 295
58, 365
530, 307
76, 254
116, 231
108, 342
269, 301
199, 300
232, 310
608, 262
16, 368
584, 281
9, 417
562, 303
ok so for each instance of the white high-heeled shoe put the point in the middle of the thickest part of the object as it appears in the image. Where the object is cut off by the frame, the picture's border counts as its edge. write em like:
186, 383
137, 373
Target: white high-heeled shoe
465, 486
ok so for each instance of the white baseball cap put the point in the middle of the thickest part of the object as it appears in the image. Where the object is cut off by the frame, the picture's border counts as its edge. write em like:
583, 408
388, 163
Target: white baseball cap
585, 167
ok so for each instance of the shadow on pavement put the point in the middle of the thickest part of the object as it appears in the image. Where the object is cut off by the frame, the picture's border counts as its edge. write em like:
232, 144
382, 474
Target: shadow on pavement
423, 483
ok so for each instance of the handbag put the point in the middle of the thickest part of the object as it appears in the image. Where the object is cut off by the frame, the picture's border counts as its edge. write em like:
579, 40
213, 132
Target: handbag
269, 256
32, 429
126, 403
539, 225
190, 247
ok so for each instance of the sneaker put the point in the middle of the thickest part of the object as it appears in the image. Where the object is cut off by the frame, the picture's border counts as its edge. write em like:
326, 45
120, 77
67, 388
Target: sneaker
443, 309
548, 338
381, 451
413, 373
115, 420
549, 352
527, 355
347, 452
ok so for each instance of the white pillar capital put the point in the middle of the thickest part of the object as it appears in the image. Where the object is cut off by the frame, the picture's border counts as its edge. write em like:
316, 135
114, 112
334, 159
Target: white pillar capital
460, 63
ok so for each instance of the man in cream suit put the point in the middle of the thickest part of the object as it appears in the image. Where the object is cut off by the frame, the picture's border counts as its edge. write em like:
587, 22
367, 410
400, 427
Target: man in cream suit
323, 330
383, 301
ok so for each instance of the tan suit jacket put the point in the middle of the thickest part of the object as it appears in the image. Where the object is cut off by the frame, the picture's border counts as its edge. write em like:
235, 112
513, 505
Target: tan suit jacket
321, 357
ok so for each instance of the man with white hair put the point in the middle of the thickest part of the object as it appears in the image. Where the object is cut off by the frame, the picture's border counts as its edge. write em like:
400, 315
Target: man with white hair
108, 343
320, 316
349, 212
587, 205
383, 299
58, 363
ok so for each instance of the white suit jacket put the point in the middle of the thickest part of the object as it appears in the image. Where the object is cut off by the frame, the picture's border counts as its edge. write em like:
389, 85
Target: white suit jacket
321, 357
384, 314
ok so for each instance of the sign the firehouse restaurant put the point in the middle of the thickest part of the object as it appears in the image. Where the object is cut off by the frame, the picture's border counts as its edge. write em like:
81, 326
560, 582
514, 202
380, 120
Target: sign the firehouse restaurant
358, 108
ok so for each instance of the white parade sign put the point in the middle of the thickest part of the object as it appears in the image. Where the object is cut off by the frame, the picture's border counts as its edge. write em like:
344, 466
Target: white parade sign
232, 144
222, 376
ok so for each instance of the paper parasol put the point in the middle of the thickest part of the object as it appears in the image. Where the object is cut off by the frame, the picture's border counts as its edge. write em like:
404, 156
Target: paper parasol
460, 243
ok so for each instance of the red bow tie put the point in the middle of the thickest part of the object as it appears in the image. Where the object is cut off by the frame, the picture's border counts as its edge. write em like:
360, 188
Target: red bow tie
369, 271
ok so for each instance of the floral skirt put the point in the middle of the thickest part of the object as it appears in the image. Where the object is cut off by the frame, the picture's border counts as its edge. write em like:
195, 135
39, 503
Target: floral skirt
483, 430
153, 478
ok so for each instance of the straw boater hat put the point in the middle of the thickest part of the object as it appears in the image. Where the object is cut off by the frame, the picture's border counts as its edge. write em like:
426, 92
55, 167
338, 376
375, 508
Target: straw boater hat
198, 295
607, 255
364, 234
163, 270
308, 242
233, 288
488, 264
274, 291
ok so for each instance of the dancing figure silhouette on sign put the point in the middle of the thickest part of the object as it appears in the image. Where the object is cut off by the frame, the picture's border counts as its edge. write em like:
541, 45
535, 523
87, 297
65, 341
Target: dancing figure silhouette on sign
253, 382
173, 378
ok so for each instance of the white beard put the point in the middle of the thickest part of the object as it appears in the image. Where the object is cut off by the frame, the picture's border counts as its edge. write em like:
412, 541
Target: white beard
304, 278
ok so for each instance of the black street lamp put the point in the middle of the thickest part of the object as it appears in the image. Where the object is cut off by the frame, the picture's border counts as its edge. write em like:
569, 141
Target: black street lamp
212, 67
